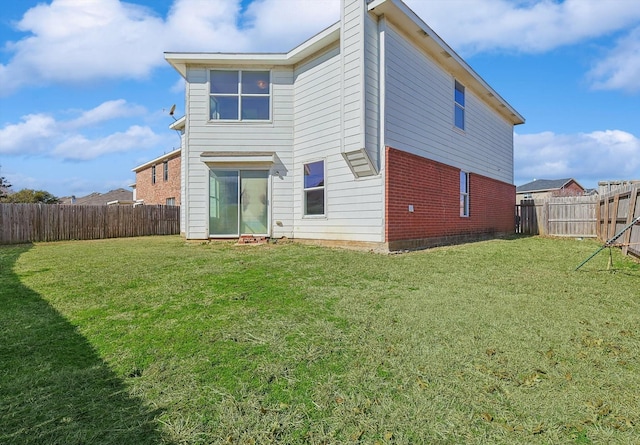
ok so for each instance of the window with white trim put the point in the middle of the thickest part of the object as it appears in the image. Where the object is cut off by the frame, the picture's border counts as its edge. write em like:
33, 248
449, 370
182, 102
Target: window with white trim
314, 197
464, 194
165, 170
153, 174
239, 95
458, 108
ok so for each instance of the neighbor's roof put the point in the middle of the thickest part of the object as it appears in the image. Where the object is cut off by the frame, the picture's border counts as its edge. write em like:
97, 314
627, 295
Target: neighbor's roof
98, 199
159, 159
397, 13
544, 185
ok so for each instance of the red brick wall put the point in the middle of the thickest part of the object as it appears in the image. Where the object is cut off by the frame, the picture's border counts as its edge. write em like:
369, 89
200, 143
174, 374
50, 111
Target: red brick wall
573, 189
157, 193
434, 191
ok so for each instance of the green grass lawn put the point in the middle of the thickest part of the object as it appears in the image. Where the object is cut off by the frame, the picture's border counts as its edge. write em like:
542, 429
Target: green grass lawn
153, 340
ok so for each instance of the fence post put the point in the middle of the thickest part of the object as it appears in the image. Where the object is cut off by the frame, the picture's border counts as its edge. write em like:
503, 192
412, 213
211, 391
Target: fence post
633, 197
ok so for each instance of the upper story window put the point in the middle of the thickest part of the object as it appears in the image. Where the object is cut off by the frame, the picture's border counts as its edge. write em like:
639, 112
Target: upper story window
458, 108
314, 188
237, 95
153, 174
464, 194
165, 170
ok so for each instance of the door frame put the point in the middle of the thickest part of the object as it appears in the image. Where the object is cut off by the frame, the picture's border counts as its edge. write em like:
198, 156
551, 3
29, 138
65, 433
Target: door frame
238, 169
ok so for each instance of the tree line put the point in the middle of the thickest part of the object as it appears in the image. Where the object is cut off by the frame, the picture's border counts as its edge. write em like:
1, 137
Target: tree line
29, 196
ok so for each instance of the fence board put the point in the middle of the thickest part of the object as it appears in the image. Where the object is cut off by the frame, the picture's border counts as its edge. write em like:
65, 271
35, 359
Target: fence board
22, 223
573, 216
618, 210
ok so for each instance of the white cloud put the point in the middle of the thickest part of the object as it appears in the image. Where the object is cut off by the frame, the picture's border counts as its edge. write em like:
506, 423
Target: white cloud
41, 134
203, 25
80, 41
620, 69
542, 25
112, 109
77, 40
532, 26
586, 157
280, 25
79, 147
31, 135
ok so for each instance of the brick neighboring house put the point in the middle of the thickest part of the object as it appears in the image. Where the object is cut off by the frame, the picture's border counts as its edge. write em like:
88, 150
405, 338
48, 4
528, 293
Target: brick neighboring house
158, 181
547, 188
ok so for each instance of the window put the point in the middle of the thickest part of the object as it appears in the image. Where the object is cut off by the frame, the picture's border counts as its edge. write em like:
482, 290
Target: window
171, 201
239, 95
314, 188
153, 174
165, 170
464, 194
458, 108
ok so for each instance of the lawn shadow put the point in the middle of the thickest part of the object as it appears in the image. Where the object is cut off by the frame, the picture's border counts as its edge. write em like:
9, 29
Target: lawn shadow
54, 387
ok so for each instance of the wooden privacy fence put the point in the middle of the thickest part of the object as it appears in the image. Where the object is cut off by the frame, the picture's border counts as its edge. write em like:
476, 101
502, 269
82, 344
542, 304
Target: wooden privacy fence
22, 223
573, 216
616, 211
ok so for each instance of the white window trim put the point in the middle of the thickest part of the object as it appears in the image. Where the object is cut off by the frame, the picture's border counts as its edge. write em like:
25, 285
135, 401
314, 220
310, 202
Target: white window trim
239, 95
463, 107
324, 188
466, 195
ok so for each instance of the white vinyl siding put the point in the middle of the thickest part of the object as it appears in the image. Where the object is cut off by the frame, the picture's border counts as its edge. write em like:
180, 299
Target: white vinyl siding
353, 66
353, 207
419, 115
372, 91
205, 136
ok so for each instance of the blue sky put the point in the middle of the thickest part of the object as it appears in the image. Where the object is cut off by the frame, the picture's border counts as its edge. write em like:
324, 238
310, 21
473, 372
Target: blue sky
85, 91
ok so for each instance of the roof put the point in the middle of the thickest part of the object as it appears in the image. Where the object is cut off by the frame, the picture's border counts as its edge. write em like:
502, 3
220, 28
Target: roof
321, 40
179, 124
395, 11
158, 160
99, 199
544, 185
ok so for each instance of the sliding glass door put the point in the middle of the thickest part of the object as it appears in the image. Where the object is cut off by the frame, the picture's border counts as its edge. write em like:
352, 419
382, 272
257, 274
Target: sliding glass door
238, 203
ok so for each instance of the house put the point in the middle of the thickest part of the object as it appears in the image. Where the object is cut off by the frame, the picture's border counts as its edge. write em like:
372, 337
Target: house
158, 181
374, 133
547, 188
117, 196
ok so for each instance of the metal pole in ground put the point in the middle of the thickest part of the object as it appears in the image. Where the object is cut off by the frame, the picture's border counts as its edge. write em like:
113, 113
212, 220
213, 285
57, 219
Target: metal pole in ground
610, 242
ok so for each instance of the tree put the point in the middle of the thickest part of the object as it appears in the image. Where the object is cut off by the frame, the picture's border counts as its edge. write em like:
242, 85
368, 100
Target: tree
31, 196
4, 185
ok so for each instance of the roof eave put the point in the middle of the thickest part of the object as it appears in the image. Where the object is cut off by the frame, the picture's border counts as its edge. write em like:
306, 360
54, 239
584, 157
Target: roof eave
170, 155
178, 124
401, 15
179, 61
